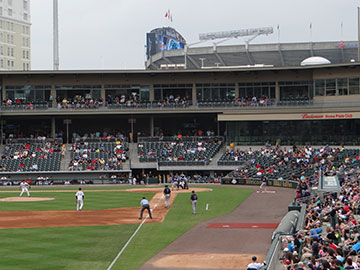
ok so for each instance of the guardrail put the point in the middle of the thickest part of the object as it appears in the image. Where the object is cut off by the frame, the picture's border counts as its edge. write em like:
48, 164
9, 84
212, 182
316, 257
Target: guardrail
160, 107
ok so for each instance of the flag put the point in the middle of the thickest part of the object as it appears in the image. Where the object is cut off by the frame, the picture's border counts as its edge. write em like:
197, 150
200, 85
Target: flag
310, 25
278, 27
167, 14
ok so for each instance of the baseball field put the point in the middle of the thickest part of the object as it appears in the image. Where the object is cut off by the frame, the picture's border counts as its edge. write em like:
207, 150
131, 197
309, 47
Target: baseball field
45, 232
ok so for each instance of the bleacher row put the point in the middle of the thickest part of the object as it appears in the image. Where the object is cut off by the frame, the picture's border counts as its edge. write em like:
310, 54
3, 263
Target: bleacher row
105, 155
275, 168
179, 153
98, 155
31, 157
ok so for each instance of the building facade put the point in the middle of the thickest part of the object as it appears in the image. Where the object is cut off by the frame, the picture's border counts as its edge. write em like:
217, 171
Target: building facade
303, 105
15, 41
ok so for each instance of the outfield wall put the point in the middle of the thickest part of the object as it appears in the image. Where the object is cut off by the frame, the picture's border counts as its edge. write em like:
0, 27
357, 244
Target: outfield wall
257, 182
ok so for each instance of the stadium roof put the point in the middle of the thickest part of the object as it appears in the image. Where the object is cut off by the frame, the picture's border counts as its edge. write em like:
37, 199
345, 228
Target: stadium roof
276, 54
154, 72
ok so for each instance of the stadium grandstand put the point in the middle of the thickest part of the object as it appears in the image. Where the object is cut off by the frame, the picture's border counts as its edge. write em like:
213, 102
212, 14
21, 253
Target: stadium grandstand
102, 124
167, 49
272, 54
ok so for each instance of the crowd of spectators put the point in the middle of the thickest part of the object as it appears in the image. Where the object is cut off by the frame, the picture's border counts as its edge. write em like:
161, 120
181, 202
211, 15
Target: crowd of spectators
179, 150
331, 236
174, 101
106, 152
252, 101
27, 156
103, 136
290, 163
127, 100
23, 104
79, 102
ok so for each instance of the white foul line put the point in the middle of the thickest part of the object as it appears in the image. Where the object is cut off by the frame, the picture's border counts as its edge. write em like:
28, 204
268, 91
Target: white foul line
132, 236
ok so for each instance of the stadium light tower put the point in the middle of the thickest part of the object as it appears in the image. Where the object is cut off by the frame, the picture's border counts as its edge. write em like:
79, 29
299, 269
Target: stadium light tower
55, 35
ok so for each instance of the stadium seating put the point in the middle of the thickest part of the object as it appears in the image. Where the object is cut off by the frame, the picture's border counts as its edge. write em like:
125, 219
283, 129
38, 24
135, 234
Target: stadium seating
179, 152
89, 155
278, 165
31, 157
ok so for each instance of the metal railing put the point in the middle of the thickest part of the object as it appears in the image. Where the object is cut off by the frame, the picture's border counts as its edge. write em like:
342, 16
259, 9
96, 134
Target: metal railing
201, 105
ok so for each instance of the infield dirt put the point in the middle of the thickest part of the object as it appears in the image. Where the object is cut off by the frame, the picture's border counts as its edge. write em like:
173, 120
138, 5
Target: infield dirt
66, 218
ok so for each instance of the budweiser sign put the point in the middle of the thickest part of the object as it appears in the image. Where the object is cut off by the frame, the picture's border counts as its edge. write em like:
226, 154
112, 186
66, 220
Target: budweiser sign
326, 116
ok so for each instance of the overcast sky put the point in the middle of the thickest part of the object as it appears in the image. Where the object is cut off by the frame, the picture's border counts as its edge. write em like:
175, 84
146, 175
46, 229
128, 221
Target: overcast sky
110, 34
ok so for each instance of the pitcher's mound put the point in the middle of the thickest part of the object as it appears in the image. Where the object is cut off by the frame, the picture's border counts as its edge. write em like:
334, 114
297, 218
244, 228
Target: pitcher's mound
26, 199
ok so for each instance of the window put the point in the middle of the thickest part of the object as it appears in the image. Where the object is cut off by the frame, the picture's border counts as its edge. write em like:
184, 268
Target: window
8, 51
12, 26
10, 12
331, 87
12, 63
319, 87
11, 39
354, 86
1, 13
23, 66
1, 37
27, 66
23, 54
7, 25
27, 30
12, 51
27, 42
8, 38
25, 4
342, 85
25, 17
1, 50
23, 42
1, 24
2, 63
10, 2
27, 54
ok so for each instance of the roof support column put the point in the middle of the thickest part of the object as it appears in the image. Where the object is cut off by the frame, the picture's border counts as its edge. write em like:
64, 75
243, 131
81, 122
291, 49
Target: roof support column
151, 92
193, 94
102, 94
53, 127
277, 92
53, 95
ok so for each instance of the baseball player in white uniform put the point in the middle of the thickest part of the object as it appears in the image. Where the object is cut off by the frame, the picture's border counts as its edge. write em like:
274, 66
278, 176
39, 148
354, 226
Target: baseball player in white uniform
79, 196
24, 187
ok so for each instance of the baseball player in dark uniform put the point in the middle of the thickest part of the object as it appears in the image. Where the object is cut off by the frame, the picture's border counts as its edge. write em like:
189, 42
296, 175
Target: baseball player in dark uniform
193, 200
167, 193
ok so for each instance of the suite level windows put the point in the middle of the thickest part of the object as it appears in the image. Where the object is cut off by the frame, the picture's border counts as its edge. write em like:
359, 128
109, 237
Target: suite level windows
337, 87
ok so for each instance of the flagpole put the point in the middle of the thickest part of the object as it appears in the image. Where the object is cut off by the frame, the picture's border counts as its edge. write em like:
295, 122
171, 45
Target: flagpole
342, 32
310, 32
278, 28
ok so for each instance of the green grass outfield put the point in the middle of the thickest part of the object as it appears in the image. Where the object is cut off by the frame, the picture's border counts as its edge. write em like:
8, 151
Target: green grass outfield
94, 247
